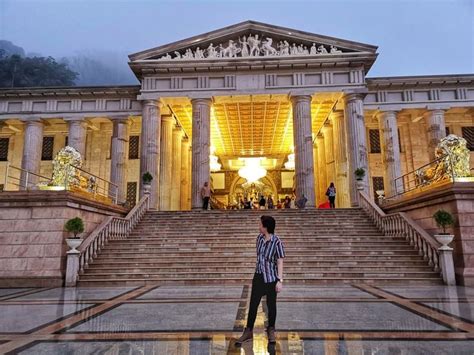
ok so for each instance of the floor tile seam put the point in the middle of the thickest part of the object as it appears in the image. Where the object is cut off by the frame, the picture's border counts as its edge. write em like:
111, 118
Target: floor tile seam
26, 293
445, 312
438, 317
284, 335
76, 318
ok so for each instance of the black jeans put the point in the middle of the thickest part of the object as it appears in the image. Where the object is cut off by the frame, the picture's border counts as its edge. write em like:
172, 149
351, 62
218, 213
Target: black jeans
259, 289
331, 201
205, 203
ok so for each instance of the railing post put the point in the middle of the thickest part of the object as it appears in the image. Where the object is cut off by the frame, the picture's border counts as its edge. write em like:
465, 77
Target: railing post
447, 265
72, 268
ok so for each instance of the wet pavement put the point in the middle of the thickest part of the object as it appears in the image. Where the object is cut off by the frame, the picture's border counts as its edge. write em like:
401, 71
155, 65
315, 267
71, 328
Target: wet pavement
357, 319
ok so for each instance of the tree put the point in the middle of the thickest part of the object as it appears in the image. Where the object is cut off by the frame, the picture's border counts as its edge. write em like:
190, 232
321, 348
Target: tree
16, 71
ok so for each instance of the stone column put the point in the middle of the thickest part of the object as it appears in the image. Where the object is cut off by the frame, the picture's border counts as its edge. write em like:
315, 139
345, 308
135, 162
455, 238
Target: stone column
436, 129
322, 176
303, 142
316, 172
119, 158
356, 143
201, 144
329, 150
32, 148
390, 151
184, 173
176, 170
340, 159
150, 148
166, 155
77, 135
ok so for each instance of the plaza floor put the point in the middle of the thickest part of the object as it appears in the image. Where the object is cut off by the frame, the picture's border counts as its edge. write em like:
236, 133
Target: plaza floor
358, 319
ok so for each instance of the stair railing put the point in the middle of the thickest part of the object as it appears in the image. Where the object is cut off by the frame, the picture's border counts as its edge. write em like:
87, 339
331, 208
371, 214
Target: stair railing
401, 225
112, 228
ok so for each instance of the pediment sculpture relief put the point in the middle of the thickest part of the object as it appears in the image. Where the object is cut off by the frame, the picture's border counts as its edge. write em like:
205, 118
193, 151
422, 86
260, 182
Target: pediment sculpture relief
252, 46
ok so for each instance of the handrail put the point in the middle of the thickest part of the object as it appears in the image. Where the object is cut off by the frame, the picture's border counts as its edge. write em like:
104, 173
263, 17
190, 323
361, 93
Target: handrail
111, 228
401, 225
412, 180
22, 181
110, 191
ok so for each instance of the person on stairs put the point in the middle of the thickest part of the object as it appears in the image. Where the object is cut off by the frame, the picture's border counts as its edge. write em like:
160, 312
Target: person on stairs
205, 195
331, 194
267, 280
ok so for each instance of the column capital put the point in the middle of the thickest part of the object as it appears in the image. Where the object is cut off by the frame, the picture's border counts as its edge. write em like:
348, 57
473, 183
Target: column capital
353, 96
437, 111
380, 114
177, 130
201, 101
300, 98
167, 118
337, 114
320, 135
154, 103
120, 119
33, 122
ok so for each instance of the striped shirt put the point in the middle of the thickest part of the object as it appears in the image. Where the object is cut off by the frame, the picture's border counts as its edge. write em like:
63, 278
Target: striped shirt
267, 255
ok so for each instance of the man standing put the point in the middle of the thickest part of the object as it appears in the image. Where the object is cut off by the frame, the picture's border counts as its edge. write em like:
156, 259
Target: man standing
268, 278
205, 195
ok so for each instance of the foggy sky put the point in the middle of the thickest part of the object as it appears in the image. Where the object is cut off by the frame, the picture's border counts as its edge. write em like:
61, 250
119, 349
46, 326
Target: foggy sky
414, 37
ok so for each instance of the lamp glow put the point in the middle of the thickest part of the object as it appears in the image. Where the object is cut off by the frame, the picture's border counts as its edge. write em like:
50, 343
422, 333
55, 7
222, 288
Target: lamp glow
252, 171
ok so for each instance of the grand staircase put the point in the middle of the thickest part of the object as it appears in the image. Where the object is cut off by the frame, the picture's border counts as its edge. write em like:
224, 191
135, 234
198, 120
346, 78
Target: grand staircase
218, 247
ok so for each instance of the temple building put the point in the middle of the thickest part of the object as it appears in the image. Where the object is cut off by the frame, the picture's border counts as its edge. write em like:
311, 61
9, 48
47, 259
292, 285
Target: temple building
254, 109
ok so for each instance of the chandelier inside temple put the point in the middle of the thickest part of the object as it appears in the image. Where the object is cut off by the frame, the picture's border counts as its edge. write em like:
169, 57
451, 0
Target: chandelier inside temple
290, 164
252, 170
213, 160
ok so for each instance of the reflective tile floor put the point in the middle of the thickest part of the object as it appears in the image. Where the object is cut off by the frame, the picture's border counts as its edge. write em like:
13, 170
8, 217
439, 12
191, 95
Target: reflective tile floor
358, 319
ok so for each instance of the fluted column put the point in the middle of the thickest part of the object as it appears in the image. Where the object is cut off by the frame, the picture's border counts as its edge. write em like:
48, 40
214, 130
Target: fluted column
356, 143
166, 161
184, 174
436, 128
150, 148
390, 151
119, 158
176, 170
329, 150
32, 148
322, 176
302, 140
316, 171
201, 149
340, 159
77, 132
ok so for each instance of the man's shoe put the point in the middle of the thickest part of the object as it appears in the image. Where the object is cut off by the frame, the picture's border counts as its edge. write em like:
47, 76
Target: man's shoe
246, 336
271, 335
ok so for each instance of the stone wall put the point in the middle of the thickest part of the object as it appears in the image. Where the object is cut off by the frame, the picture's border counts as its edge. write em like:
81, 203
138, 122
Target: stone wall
458, 199
32, 236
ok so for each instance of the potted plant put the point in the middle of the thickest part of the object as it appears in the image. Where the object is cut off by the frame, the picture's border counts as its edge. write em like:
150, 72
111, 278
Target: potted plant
444, 220
74, 226
359, 174
147, 178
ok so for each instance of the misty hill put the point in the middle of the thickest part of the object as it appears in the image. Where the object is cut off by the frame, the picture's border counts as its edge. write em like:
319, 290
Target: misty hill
92, 68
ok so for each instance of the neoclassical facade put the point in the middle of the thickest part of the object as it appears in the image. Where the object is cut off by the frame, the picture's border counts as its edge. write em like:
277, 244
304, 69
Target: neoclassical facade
243, 92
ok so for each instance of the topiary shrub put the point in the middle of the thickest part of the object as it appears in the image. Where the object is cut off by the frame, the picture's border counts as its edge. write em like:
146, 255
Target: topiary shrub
75, 226
147, 178
443, 219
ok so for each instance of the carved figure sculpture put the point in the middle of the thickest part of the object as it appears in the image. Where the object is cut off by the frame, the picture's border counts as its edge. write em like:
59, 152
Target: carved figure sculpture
254, 43
267, 47
335, 50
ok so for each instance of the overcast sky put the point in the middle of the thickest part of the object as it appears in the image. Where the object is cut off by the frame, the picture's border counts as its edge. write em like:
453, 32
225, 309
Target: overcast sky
414, 37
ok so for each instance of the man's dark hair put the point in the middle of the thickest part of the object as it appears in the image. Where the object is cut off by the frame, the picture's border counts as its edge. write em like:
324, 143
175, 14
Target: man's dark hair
269, 223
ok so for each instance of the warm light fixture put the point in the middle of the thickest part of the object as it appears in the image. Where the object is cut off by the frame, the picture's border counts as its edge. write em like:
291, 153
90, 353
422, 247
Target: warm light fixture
290, 164
213, 160
252, 170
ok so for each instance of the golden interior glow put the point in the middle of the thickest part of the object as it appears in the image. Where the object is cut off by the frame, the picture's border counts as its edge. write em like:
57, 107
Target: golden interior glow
254, 126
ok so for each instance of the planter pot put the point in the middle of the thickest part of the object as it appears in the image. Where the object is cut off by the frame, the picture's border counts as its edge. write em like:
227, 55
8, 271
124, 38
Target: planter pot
444, 239
360, 184
73, 244
146, 188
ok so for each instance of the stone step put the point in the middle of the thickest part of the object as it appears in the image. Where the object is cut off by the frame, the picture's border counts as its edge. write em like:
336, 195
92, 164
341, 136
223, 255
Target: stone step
120, 263
250, 268
240, 282
209, 253
234, 274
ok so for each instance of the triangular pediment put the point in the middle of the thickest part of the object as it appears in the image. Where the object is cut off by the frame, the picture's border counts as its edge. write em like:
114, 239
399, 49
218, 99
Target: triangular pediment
252, 39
